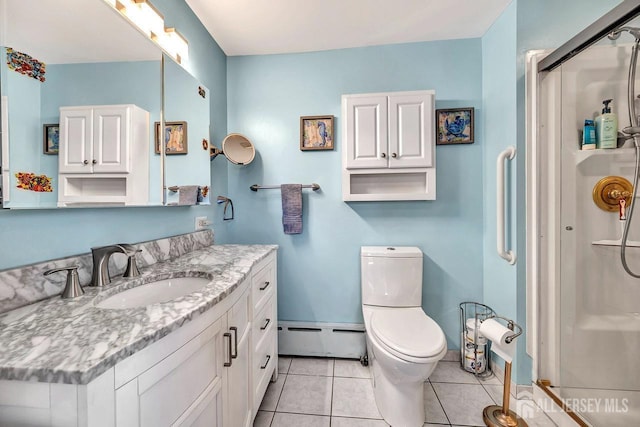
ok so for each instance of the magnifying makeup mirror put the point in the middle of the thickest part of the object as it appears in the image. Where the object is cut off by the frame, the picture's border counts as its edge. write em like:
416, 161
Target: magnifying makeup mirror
236, 148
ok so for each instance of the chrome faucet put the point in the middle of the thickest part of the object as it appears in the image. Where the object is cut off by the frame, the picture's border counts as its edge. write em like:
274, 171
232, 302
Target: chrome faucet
100, 274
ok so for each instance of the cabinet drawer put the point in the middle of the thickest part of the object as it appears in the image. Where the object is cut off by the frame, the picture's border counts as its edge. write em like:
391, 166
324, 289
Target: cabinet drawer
264, 361
264, 322
263, 285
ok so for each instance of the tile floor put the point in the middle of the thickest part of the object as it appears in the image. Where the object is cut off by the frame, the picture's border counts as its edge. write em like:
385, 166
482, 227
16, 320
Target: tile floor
319, 392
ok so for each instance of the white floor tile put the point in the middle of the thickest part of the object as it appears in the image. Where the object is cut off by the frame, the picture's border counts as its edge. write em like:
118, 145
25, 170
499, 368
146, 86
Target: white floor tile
463, 403
283, 364
304, 394
311, 366
350, 369
270, 399
451, 372
297, 420
357, 422
432, 407
496, 391
263, 419
353, 397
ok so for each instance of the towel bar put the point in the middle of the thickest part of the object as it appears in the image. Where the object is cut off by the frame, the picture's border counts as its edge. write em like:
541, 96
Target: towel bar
256, 187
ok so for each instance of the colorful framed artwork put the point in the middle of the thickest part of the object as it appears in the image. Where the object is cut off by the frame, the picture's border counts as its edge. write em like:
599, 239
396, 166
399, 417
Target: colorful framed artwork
175, 137
316, 133
51, 138
454, 126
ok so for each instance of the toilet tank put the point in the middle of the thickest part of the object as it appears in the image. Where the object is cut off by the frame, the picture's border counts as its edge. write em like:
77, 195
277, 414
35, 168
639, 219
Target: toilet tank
391, 276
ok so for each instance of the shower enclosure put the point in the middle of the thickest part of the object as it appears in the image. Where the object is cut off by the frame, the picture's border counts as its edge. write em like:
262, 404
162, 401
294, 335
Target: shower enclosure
587, 342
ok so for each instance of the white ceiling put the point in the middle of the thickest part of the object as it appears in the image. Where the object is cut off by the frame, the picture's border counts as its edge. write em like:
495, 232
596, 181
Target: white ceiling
78, 31
255, 27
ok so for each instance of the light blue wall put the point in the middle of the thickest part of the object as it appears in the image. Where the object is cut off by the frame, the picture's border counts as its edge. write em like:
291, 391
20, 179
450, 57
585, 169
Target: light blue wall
319, 271
37, 235
499, 52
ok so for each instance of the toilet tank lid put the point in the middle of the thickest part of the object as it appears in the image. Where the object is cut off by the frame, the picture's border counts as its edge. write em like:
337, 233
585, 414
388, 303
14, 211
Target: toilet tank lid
391, 251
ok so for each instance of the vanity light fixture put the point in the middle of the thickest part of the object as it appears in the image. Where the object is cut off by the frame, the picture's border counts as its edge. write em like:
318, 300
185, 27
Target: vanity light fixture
174, 44
151, 22
146, 17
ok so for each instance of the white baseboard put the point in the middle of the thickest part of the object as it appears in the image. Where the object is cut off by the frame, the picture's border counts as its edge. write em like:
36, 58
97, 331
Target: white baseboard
342, 340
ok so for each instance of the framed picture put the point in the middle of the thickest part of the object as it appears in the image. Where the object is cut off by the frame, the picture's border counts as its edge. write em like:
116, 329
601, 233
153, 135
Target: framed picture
316, 133
51, 138
175, 137
454, 126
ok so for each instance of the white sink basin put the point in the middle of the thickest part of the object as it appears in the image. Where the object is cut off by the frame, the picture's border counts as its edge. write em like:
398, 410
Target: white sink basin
154, 292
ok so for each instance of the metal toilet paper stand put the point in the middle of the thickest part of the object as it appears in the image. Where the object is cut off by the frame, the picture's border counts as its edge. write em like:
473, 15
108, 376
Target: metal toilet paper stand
502, 416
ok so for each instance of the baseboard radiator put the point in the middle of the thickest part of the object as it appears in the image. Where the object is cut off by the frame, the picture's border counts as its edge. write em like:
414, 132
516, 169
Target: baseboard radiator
342, 340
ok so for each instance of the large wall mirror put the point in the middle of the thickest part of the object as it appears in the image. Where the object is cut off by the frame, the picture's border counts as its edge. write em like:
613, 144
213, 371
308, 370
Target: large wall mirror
80, 101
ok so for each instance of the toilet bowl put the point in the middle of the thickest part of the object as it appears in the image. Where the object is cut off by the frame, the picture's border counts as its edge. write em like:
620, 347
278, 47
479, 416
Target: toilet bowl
404, 345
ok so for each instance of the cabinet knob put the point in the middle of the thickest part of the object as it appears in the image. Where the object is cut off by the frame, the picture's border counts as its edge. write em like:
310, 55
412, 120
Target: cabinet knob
94, 161
86, 162
383, 155
394, 155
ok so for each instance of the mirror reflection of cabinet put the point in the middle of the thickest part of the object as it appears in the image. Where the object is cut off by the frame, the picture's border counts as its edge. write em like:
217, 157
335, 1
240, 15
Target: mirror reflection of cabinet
103, 155
93, 57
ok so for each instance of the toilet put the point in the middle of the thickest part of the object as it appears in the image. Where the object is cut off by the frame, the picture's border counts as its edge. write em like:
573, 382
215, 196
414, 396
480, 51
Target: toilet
404, 345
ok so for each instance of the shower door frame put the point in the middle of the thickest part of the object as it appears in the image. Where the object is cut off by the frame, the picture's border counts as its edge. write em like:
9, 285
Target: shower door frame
543, 170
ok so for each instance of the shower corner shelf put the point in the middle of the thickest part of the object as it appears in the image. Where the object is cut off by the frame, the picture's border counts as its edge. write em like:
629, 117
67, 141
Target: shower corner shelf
582, 155
630, 243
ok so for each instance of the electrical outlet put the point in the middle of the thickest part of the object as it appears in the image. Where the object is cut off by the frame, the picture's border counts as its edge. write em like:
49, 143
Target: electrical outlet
202, 222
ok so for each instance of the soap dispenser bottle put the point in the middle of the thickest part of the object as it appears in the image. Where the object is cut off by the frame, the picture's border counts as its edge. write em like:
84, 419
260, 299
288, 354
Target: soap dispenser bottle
607, 127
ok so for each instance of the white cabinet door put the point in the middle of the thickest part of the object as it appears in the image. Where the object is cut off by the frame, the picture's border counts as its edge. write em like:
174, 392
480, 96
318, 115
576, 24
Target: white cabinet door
111, 139
366, 131
410, 130
76, 134
175, 389
239, 397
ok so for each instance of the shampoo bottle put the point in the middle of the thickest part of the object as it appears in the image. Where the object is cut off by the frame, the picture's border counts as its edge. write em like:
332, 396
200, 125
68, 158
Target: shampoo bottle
607, 127
589, 135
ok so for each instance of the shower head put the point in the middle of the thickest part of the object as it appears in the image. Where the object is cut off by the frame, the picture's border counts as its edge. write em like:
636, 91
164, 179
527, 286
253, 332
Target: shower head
615, 34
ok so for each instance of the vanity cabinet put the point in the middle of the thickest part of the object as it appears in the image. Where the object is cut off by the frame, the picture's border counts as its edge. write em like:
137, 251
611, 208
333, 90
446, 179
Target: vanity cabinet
104, 155
264, 334
389, 146
212, 371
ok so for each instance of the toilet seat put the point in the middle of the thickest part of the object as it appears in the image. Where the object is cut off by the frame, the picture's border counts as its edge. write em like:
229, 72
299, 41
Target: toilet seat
409, 334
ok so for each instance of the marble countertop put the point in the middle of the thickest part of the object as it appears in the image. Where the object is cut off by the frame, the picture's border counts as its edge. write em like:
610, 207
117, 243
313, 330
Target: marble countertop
72, 341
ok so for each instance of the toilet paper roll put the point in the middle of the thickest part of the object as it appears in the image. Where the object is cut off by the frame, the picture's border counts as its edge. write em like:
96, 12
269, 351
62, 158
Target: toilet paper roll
497, 333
